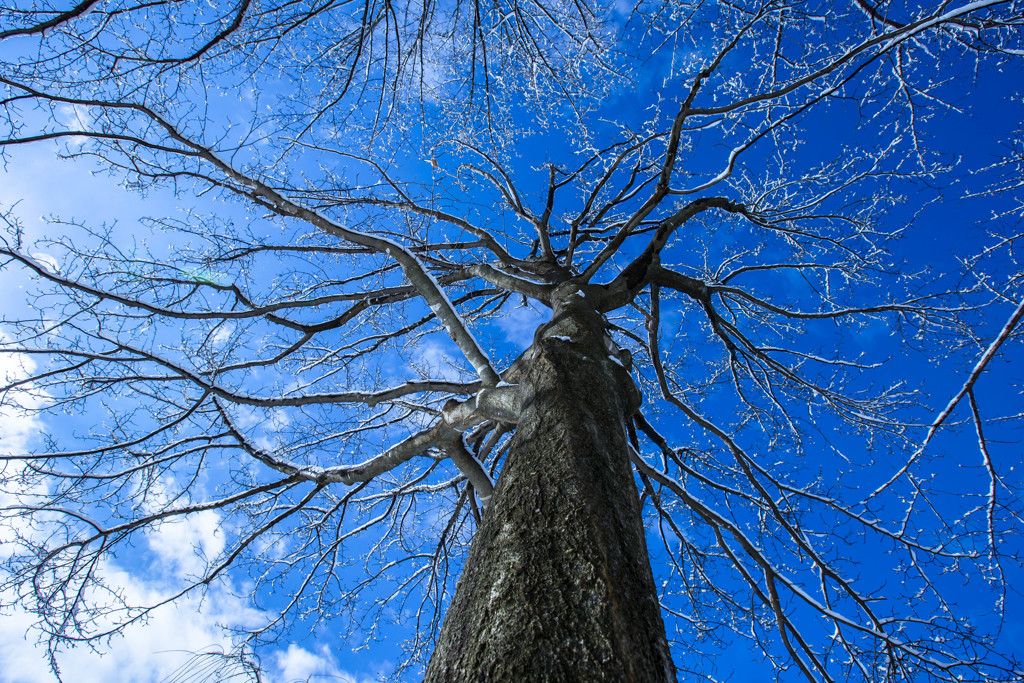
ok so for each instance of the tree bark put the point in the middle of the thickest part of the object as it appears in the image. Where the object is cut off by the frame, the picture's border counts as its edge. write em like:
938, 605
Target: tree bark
557, 585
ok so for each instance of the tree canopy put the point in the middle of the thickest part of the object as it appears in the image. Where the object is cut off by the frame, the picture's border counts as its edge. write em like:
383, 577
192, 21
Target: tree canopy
799, 221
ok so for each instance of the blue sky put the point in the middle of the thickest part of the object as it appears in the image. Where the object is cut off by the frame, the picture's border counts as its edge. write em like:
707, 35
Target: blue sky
38, 184
41, 186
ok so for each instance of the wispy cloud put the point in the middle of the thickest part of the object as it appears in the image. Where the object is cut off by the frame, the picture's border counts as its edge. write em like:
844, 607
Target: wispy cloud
149, 651
439, 360
518, 324
185, 545
165, 644
19, 429
298, 664
145, 653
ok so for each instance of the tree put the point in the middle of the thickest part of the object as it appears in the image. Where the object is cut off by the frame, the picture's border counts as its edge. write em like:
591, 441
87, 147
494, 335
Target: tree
699, 205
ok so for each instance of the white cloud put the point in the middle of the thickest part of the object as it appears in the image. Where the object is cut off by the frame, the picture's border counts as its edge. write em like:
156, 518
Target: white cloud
186, 544
166, 644
38, 184
19, 430
299, 664
77, 117
434, 360
146, 653
519, 324
222, 336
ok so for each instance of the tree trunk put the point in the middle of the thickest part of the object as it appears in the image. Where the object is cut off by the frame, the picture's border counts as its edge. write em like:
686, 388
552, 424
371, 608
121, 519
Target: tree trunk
557, 585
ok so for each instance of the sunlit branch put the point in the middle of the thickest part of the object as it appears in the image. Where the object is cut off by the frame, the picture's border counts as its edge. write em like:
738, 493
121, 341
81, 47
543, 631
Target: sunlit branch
965, 389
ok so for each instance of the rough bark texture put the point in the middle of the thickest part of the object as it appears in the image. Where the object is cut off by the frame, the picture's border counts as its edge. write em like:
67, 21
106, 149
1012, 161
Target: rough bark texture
558, 585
